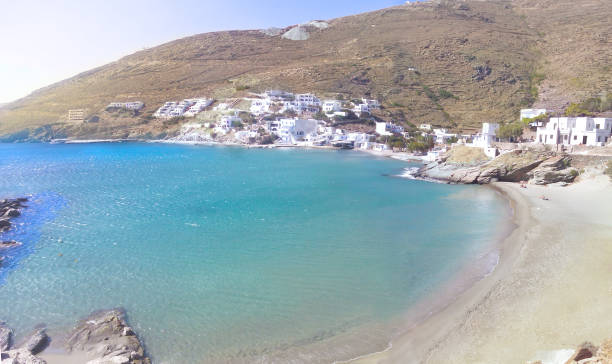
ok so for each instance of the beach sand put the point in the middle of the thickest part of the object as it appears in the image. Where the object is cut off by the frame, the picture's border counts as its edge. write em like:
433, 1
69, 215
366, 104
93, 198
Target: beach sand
551, 291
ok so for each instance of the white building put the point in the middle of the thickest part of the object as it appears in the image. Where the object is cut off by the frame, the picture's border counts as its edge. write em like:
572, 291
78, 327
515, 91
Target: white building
487, 135
575, 131
132, 105
198, 106
442, 135
260, 106
331, 106
372, 104
425, 127
227, 122
172, 109
531, 113
384, 128
291, 130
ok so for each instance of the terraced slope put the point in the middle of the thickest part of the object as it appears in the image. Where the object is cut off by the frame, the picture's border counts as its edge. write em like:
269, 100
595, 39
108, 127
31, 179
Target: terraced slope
451, 63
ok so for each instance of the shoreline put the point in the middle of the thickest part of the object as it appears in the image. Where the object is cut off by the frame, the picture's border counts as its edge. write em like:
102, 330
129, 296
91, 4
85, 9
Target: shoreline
469, 328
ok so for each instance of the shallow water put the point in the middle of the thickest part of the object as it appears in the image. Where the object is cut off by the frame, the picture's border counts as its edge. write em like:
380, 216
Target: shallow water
227, 254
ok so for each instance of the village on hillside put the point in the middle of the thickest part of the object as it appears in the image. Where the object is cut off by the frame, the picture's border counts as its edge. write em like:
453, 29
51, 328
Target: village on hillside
284, 119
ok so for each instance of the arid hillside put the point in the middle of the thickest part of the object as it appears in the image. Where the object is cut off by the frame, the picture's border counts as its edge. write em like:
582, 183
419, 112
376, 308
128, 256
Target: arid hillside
450, 63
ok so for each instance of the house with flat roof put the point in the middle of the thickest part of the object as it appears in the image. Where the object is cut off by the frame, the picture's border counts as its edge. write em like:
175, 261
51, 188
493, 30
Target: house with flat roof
575, 131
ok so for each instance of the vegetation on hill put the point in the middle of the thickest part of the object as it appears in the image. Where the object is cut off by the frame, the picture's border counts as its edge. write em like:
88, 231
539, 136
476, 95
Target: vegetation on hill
449, 63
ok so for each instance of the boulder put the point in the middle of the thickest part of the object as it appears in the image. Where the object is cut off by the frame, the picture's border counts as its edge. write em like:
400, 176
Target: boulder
21, 356
6, 337
11, 212
554, 170
107, 338
37, 342
5, 225
9, 244
586, 350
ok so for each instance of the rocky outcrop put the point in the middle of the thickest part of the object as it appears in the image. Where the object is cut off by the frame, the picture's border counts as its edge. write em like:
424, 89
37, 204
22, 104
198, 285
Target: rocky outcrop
6, 337
554, 170
9, 244
106, 337
21, 356
515, 166
8, 210
26, 354
37, 342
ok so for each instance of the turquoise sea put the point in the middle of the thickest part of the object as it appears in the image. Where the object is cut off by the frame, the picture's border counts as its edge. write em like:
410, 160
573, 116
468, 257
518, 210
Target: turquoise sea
222, 254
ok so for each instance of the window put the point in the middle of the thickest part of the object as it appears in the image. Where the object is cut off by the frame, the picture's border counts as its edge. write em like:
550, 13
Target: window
575, 137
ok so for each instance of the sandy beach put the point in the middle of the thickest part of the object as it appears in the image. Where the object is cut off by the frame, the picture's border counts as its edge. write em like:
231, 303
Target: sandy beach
551, 290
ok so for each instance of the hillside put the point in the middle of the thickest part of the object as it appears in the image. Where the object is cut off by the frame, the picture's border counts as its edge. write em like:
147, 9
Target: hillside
451, 63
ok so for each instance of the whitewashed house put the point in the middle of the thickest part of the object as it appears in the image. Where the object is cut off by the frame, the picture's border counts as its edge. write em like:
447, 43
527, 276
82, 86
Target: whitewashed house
372, 104
359, 139
227, 122
487, 135
425, 127
198, 106
441, 135
292, 130
384, 128
132, 105
331, 106
575, 131
260, 106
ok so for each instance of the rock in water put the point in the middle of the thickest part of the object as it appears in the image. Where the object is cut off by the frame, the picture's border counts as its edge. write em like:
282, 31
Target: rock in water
9, 244
4, 225
12, 213
6, 335
106, 337
37, 342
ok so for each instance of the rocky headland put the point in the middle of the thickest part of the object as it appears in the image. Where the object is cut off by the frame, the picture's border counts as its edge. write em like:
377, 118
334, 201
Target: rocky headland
537, 167
9, 209
104, 337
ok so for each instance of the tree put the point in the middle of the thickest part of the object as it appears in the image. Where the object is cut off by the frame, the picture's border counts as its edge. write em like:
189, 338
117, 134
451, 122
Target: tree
510, 130
575, 109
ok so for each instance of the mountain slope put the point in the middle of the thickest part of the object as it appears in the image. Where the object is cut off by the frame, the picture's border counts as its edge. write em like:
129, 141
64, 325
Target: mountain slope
452, 63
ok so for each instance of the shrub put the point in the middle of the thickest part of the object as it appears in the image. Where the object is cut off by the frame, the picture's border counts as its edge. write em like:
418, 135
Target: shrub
446, 94
575, 109
241, 87
510, 130
608, 170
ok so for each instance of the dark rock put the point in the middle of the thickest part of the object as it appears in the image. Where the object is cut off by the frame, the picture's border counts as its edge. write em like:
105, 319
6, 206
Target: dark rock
11, 212
481, 72
6, 337
106, 336
586, 350
5, 225
37, 342
9, 244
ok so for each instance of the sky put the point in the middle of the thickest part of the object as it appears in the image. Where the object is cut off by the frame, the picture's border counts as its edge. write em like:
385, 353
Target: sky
45, 41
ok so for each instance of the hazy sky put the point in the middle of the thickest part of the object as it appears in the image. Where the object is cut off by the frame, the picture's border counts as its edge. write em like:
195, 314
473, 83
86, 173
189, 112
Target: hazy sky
44, 41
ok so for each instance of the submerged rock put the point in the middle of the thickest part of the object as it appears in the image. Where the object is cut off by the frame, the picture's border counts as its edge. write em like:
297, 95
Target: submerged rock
5, 225
9, 244
6, 337
106, 337
37, 342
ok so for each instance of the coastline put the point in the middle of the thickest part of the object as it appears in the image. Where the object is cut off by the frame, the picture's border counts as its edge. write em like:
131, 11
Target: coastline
521, 311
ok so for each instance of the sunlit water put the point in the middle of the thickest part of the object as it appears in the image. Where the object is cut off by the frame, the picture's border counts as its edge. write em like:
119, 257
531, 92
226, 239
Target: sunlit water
229, 254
